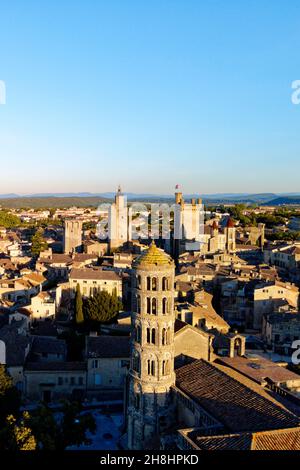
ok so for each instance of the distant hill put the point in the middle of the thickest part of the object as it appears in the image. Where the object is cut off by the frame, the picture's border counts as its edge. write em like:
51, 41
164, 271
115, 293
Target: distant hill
8, 196
85, 199
284, 200
51, 202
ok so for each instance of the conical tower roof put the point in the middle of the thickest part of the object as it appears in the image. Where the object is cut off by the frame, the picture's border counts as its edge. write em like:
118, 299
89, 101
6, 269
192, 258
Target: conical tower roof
153, 256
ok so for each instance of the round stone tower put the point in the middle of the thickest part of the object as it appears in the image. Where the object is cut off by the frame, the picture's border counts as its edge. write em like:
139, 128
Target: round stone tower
152, 347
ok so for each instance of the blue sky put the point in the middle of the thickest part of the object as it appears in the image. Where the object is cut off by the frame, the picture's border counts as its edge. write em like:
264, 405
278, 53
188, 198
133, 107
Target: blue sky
149, 94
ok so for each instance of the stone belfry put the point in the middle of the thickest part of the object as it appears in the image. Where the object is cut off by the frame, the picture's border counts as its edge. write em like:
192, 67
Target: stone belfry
72, 236
152, 347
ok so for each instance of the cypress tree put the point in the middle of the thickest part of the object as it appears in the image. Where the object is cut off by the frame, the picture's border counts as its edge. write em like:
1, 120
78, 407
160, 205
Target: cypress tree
79, 306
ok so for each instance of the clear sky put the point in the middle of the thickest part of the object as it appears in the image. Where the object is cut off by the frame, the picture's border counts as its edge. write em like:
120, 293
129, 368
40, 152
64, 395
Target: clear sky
149, 94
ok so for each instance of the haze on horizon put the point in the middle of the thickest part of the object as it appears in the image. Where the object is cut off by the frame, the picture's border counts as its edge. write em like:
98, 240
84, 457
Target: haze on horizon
148, 95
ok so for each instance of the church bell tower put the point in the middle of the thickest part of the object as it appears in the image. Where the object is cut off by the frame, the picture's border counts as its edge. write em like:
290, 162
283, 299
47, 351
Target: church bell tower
152, 347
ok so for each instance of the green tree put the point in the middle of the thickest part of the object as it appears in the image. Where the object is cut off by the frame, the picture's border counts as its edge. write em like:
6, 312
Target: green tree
15, 436
9, 220
57, 434
78, 306
103, 307
9, 396
38, 243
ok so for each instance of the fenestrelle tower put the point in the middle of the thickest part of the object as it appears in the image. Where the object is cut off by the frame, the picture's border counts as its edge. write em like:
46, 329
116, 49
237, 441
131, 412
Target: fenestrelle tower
152, 347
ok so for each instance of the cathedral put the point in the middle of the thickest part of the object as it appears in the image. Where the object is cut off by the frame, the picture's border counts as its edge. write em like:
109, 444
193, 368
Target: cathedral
199, 402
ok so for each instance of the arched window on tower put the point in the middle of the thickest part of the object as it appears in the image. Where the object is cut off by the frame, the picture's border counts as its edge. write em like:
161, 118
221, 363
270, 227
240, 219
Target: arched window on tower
153, 336
165, 283
154, 283
154, 307
148, 305
139, 281
151, 367
148, 283
164, 305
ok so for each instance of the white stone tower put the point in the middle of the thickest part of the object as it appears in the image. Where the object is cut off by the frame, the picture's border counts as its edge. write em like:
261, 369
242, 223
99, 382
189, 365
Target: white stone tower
72, 235
152, 347
230, 236
118, 224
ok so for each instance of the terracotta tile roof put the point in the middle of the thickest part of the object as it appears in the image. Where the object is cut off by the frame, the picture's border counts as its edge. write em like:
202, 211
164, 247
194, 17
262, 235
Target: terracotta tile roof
259, 368
16, 344
57, 258
282, 439
35, 278
226, 442
94, 273
107, 346
232, 399
287, 439
48, 345
48, 366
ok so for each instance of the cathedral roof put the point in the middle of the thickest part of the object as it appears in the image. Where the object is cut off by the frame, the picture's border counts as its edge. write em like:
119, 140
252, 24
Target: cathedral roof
153, 256
237, 402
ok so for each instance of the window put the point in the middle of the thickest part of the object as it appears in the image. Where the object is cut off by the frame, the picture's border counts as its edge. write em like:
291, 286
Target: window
148, 283
95, 364
165, 283
151, 367
154, 307
154, 283
164, 306
148, 305
60, 380
151, 335
98, 379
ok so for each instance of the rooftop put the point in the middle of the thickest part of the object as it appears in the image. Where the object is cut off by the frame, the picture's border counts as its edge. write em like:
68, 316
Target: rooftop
235, 401
153, 256
94, 274
283, 439
107, 346
259, 368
